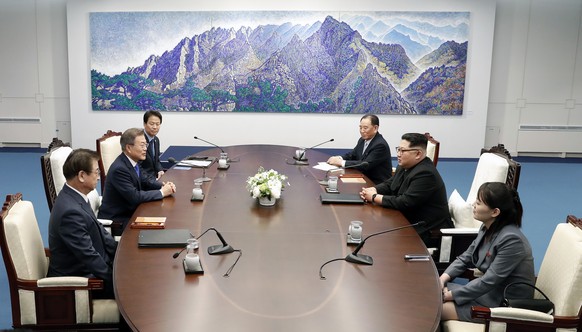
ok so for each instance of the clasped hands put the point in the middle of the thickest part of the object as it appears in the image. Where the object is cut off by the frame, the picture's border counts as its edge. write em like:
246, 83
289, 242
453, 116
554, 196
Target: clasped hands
366, 193
168, 188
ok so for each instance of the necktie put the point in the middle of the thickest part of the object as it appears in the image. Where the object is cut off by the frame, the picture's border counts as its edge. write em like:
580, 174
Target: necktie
152, 148
137, 169
365, 146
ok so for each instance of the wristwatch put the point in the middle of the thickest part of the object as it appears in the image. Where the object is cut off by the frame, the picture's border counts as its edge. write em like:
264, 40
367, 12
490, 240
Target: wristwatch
373, 198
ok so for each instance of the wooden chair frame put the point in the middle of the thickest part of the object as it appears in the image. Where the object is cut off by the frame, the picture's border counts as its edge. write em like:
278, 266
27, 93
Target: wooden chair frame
47, 174
437, 147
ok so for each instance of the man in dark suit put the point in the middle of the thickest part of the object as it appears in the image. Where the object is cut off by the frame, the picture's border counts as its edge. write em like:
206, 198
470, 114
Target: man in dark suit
127, 185
79, 244
152, 121
371, 148
416, 189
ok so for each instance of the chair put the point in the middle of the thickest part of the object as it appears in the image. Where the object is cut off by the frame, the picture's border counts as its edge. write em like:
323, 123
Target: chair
495, 165
432, 148
53, 178
38, 302
560, 278
108, 148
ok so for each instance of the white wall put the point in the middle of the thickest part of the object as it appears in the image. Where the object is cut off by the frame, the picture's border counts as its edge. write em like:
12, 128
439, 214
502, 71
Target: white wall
536, 78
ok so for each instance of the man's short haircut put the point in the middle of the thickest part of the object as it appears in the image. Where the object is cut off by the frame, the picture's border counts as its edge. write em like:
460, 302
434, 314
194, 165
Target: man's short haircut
149, 114
128, 137
373, 119
79, 160
416, 140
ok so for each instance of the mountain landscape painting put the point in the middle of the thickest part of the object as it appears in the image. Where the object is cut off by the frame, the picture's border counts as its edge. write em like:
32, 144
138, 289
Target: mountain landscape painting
282, 62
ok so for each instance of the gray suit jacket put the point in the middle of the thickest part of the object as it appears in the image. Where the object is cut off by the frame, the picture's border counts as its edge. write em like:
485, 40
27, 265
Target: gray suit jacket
506, 258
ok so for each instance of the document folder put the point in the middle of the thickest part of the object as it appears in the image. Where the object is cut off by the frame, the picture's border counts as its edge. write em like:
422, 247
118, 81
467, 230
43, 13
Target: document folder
341, 198
163, 238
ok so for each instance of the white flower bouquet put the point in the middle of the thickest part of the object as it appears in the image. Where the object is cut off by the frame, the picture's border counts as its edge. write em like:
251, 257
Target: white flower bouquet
266, 183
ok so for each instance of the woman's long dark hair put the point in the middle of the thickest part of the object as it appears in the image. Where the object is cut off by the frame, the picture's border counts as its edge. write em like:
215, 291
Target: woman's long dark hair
501, 196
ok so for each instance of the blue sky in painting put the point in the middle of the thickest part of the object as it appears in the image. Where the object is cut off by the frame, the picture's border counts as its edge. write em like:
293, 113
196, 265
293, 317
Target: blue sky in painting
126, 39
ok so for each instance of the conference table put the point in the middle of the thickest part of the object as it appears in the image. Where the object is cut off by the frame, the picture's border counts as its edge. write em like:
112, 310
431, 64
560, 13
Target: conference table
275, 286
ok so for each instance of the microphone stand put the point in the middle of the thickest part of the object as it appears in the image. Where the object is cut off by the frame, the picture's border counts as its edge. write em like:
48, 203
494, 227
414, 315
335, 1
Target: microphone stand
204, 178
221, 149
365, 259
301, 160
218, 249
325, 181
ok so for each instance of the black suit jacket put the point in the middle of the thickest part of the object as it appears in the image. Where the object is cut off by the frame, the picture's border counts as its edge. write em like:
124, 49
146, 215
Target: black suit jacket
79, 244
152, 165
420, 194
124, 191
377, 155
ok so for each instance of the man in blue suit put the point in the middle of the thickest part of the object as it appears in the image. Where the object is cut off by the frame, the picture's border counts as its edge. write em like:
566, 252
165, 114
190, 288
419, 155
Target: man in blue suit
127, 185
371, 148
152, 121
79, 244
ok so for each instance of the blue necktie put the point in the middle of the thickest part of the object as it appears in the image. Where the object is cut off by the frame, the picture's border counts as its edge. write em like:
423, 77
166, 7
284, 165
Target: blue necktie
137, 169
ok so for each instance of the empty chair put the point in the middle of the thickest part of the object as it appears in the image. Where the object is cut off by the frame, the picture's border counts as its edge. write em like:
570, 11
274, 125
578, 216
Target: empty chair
39, 302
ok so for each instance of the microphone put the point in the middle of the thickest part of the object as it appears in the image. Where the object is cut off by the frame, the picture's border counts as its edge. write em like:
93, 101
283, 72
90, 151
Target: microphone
198, 138
218, 249
324, 182
365, 259
172, 160
221, 149
176, 254
300, 153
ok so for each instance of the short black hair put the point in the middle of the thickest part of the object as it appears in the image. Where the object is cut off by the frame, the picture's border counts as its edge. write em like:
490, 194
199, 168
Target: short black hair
147, 115
79, 160
416, 140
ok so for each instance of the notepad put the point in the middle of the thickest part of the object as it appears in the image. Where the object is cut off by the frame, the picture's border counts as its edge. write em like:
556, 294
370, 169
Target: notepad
149, 222
163, 238
341, 198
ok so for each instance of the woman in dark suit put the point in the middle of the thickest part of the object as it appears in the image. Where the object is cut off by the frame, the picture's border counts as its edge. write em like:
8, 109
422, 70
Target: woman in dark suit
500, 251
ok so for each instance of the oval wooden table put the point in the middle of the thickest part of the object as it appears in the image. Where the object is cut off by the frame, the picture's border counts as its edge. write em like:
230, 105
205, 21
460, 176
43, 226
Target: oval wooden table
276, 285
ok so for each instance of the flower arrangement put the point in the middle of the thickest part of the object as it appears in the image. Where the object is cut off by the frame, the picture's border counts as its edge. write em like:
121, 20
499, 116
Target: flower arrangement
266, 183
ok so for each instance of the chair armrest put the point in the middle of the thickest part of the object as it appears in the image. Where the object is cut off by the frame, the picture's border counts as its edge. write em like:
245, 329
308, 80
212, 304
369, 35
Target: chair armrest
80, 283
521, 314
460, 231
105, 222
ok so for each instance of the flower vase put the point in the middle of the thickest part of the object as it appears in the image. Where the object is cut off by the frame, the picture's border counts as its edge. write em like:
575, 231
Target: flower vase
266, 201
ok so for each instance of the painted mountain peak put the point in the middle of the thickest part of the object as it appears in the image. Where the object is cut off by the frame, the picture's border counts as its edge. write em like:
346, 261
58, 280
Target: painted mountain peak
323, 67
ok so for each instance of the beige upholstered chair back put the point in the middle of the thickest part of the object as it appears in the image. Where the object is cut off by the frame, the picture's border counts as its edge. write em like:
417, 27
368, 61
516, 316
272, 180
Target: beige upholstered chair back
432, 148
57, 160
560, 276
108, 148
490, 168
25, 242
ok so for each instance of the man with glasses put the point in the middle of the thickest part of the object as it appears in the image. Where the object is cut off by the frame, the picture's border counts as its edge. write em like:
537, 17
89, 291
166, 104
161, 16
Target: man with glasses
79, 244
416, 189
127, 185
152, 121
371, 148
